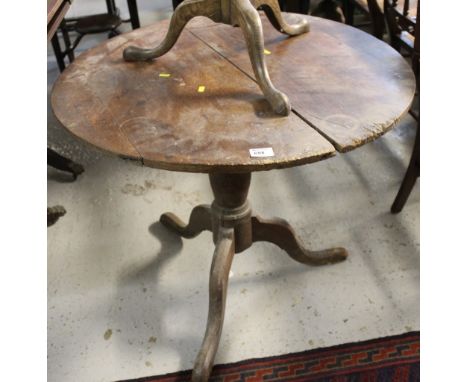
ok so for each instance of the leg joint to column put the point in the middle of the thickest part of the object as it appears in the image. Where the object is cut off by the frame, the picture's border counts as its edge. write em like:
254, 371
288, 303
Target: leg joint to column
229, 217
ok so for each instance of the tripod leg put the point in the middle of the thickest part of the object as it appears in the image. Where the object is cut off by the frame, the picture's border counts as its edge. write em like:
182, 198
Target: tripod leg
219, 274
279, 232
412, 174
200, 220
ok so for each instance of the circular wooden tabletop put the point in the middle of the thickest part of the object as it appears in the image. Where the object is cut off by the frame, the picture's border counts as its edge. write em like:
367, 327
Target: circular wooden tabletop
346, 88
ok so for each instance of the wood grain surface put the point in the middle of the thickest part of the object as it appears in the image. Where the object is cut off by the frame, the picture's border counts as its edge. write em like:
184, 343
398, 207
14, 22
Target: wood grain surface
348, 85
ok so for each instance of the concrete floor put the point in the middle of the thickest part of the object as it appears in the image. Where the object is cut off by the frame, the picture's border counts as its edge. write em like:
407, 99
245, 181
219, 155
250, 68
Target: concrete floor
128, 299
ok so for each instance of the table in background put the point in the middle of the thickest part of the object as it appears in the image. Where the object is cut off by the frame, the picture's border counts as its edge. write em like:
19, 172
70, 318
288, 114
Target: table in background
346, 89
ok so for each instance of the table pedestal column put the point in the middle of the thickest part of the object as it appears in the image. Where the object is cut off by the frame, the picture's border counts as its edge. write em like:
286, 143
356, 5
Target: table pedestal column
234, 230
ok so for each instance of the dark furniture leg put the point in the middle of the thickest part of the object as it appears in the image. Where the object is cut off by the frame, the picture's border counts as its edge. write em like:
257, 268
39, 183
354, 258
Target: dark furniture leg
348, 10
241, 13
412, 174
133, 11
66, 40
111, 7
377, 18
64, 164
304, 6
234, 230
68, 50
58, 52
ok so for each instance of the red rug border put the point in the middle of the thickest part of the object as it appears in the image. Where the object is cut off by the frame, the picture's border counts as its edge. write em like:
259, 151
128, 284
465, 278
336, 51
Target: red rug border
350, 346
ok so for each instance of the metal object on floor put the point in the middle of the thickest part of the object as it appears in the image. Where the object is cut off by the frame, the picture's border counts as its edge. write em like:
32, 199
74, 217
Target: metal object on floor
241, 13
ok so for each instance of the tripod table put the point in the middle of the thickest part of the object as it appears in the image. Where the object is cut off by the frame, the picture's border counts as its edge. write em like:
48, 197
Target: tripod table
198, 109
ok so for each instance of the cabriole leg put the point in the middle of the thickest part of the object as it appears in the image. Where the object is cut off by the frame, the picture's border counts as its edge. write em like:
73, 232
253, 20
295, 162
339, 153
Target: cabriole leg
247, 17
219, 274
200, 220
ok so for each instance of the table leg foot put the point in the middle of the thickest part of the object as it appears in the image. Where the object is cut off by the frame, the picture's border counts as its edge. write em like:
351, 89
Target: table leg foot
200, 220
279, 232
273, 12
249, 20
182, 15
219, 274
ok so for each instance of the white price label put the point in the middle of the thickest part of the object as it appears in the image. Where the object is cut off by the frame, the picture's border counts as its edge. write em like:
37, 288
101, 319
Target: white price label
262, 152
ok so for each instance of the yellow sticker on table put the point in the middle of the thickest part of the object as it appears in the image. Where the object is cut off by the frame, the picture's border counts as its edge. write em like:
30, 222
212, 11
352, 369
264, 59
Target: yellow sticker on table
266, 51
201, 88
165, 75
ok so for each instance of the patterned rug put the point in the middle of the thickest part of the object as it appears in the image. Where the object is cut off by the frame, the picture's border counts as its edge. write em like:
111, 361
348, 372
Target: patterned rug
389, 359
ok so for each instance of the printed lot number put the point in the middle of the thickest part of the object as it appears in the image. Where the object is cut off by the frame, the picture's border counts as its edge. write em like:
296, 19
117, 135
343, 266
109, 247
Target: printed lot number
262, 152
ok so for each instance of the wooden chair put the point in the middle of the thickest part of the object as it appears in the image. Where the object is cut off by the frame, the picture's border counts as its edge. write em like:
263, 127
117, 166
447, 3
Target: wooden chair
92, 24
401, 17
410, 40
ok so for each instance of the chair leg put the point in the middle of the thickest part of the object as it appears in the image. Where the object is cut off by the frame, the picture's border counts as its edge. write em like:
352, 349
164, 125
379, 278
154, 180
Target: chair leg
378, 19
133, 10
219, 275
182, 15
412, 174
69, 52
113, 33
58, 52
304, 6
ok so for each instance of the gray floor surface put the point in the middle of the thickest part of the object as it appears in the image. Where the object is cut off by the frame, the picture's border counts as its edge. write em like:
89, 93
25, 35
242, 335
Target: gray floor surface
127, 299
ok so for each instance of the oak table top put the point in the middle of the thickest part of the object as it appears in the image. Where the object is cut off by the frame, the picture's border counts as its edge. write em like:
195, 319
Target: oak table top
197, 108
346, 88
